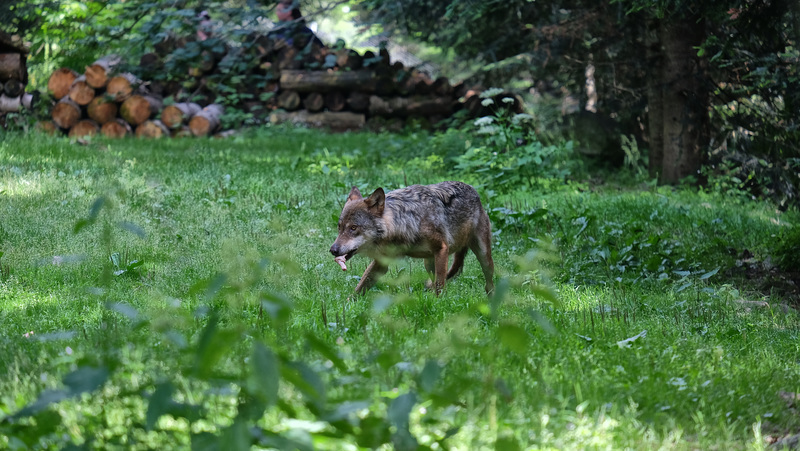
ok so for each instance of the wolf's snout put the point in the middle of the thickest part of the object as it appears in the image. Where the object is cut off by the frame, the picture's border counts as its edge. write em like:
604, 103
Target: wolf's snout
336, 250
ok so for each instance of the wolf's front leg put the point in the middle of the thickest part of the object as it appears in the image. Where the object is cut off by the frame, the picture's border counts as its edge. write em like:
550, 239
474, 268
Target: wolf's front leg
374, 271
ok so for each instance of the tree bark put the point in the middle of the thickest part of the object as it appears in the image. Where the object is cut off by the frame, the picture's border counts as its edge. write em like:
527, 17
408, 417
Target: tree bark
655, 102
685, 99
206, 121
61, 81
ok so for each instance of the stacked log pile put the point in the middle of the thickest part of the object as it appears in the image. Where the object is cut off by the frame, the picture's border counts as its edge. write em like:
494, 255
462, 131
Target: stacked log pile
276, 79
13, 76
101, 100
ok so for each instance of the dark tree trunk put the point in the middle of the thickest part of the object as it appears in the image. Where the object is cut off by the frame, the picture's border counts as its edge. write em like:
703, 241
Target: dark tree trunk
655, 101
685, 99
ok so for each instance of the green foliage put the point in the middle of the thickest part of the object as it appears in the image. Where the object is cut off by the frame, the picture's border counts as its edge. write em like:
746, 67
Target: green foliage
507, 154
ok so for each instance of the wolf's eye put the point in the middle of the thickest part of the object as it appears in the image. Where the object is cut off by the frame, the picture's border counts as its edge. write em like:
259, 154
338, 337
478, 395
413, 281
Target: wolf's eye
353, 228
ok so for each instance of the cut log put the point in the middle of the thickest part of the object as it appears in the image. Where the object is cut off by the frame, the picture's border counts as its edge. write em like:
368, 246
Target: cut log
349, 59
48, 127
335, 101
121, 87
66, 113
182, 132
177, 114
10, 104
13, 87
101, 109
314, 102
410, 106
98, 73
86, 127
12, 65
289, 100
322, 81
138, 108
207, 120
442, 88
288, 58
80, 92
152, 129
117, 128
61, 81
358, 101
340, 121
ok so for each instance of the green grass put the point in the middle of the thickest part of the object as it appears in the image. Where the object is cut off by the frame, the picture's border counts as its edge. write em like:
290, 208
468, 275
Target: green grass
618, 323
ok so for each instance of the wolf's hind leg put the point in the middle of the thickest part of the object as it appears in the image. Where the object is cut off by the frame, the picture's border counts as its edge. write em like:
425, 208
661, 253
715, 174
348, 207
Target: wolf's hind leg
458, 263
374, 271
481, 245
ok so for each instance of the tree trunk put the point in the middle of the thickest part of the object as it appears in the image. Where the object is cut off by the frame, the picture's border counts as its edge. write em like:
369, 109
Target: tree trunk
102, 110
152, 129
117, 128
138, 109
66, 113
10, 104
177, 114
61, 81
322, 81
121, 86
685, 99
655, 102
97, 73
86, 127
206, 121
80, 92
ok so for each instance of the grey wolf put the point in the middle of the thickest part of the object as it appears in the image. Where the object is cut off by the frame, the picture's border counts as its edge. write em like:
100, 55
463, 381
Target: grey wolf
429, 222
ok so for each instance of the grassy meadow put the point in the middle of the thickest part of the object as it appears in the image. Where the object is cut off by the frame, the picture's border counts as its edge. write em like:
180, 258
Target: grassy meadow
179, 294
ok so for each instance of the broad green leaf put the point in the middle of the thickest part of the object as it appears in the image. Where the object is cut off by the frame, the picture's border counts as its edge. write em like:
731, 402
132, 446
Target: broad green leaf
513, 337
160, 402
264, 378
429, 375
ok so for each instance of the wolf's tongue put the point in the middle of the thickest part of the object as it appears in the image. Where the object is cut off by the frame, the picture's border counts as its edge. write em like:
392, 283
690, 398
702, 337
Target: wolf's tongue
340, 260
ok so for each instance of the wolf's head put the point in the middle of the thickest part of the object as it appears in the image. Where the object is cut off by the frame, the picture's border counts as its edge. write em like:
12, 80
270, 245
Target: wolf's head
360, 224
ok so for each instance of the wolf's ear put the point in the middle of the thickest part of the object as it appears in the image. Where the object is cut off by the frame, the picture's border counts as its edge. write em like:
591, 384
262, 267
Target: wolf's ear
355, 194
375, 202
